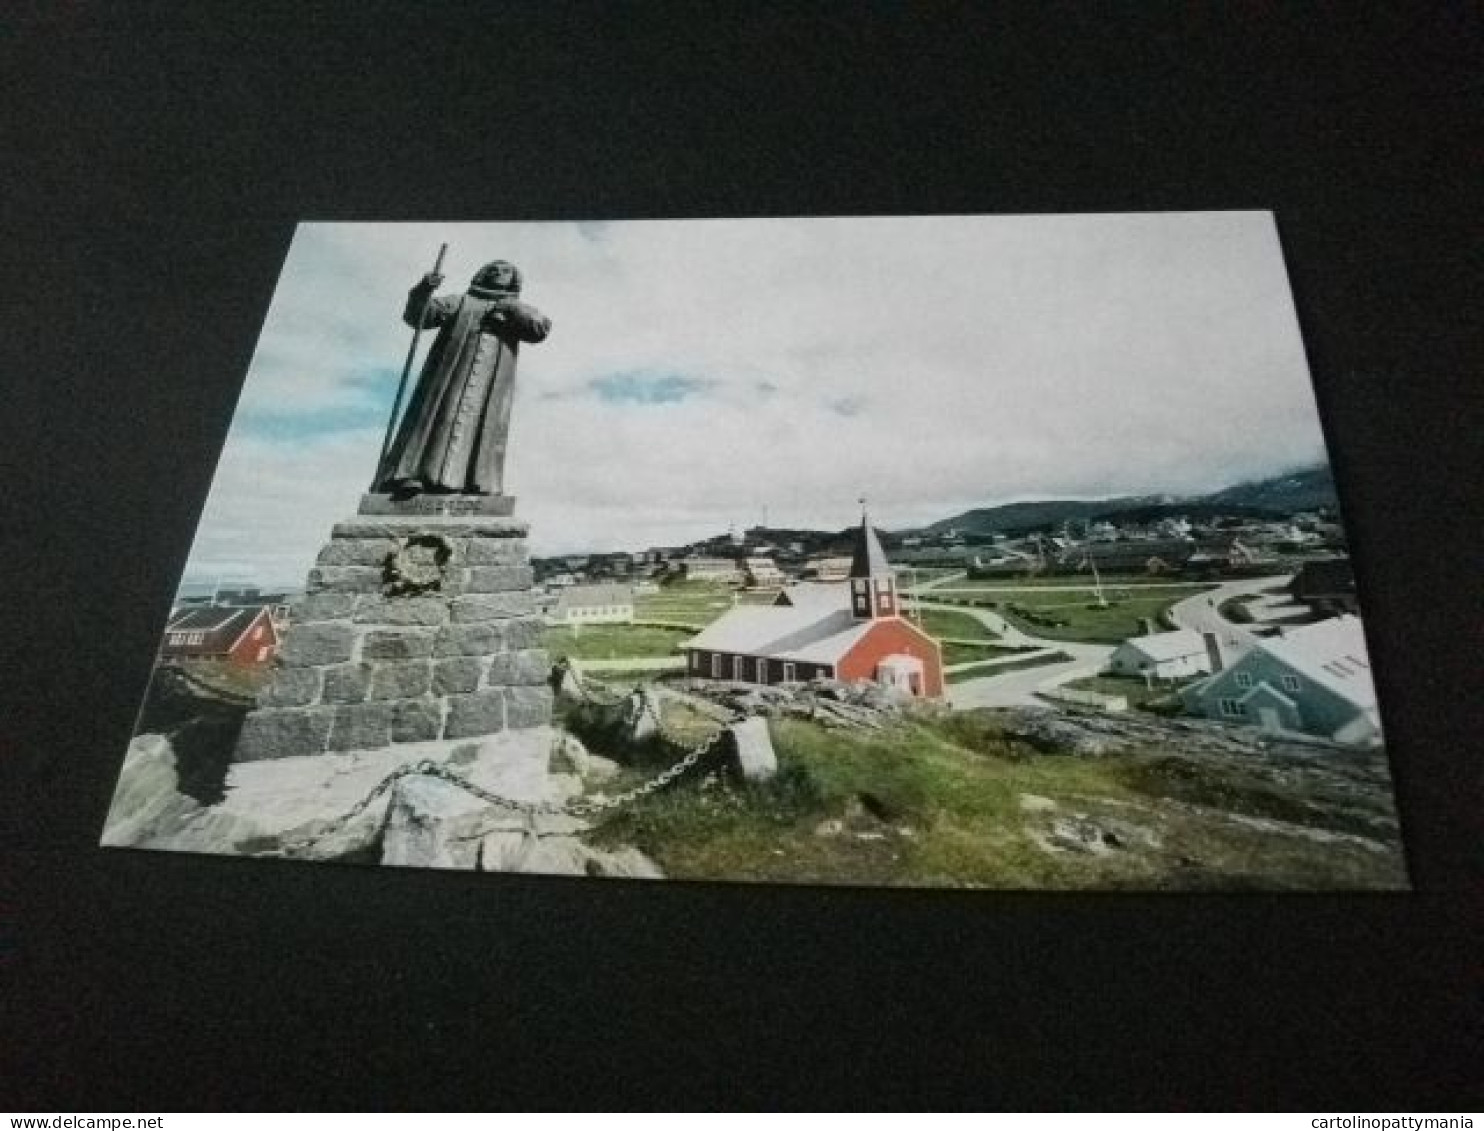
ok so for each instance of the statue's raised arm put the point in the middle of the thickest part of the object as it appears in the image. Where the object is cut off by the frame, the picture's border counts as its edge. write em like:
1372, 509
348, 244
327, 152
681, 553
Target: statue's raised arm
453, 435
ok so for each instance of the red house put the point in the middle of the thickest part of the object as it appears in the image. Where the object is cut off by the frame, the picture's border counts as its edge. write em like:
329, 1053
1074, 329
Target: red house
850, 632
242, 634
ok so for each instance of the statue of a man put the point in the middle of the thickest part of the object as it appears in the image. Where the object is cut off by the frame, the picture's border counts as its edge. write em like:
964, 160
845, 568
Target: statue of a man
452, 437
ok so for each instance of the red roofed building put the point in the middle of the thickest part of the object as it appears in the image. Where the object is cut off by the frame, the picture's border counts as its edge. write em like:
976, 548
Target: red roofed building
852, 632
243, 634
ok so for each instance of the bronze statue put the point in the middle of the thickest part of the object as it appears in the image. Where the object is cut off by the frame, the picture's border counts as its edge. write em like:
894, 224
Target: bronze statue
452, 437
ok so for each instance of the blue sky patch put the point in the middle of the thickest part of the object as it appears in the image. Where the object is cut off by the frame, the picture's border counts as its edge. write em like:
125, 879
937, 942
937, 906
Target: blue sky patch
293, 427
647, 388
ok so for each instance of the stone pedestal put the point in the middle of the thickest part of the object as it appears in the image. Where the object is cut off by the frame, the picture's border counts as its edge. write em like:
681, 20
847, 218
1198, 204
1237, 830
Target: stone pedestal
418, 623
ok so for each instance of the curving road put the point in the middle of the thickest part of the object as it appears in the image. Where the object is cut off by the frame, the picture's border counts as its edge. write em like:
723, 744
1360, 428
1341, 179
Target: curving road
1201, 613
1018, 688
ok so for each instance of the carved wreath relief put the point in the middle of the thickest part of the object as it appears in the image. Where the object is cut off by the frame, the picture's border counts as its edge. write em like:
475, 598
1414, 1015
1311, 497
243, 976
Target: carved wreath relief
418, 565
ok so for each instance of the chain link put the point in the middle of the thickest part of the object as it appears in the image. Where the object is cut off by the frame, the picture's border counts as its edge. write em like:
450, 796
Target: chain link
582, 807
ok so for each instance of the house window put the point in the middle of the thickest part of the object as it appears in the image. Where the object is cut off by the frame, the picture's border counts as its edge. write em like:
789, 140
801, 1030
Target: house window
738, 669
1244, 679
257, 633
715, 666
790, 673
762, 671
1231, 709
1290, 683
176, 637
883, 600
262, 653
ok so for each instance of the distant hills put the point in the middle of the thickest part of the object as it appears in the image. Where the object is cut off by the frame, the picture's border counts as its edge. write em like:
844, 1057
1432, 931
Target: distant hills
1311, 488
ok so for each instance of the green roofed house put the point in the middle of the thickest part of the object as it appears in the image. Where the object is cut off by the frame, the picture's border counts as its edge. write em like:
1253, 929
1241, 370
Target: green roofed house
1314, 679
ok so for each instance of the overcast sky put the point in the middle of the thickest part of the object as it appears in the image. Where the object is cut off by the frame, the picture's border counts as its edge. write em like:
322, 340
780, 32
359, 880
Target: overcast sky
704, 373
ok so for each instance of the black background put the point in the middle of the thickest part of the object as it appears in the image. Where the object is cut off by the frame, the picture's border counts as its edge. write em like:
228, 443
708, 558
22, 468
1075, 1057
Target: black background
159, 163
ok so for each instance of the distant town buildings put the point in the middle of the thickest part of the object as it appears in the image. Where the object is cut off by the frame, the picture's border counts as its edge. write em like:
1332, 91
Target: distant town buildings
761, 573
725, 571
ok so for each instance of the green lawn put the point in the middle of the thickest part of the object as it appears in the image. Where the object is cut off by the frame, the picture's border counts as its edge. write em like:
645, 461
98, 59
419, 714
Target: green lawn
686, 602
954, 653
614, 641
941, 623
940, 802
1077, 616
1045, 580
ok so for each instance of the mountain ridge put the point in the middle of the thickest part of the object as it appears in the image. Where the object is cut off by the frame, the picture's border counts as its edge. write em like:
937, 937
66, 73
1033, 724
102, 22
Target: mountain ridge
1305, 488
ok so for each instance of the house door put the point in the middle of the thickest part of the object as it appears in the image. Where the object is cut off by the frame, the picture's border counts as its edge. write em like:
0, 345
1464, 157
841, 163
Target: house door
1267, 718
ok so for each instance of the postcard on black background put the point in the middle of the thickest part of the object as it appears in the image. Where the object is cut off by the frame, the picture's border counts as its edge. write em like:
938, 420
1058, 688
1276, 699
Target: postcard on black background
964, 551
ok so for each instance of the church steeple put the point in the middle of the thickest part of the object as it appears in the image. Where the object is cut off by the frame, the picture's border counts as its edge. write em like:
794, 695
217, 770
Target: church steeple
873, 586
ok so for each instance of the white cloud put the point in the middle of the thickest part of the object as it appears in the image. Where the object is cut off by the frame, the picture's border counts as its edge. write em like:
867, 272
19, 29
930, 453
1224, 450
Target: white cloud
930, 363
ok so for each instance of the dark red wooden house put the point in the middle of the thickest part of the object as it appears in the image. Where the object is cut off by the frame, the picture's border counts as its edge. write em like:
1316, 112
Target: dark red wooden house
241, 634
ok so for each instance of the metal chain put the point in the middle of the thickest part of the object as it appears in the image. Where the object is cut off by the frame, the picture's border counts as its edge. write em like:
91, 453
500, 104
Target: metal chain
578, 808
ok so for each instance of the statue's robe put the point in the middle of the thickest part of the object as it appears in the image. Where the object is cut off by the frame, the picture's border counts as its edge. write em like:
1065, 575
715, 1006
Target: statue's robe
453, 435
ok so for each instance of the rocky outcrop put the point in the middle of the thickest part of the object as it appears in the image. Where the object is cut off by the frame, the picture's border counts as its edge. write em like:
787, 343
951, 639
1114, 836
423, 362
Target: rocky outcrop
375, 806
826, 701
149, 811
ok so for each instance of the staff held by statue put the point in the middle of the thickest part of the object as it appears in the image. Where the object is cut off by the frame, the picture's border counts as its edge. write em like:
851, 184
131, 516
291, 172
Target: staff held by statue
391, 425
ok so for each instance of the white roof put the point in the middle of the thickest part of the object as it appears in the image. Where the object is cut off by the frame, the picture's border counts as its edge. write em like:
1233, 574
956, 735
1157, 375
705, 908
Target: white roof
822, 596
783, 632
1167, 645
1332, 653
586, 596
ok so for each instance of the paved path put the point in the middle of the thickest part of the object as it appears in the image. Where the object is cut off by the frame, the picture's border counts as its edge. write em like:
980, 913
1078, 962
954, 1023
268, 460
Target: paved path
1202, 613
643, 664
1019, 687
997, 661
1009, 635
935, 583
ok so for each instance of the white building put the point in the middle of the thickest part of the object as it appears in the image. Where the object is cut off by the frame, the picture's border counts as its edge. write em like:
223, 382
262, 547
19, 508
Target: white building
723, 570
1162, 655
594, 604
762, 573
1315, 679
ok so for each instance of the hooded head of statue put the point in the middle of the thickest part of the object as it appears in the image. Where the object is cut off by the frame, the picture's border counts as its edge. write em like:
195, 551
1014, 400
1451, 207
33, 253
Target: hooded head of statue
498, 279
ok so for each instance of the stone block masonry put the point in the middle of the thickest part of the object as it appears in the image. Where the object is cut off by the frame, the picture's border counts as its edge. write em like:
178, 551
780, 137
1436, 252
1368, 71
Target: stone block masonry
415, 625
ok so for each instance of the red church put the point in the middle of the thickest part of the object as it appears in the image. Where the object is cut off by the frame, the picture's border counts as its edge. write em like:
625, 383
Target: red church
850, 632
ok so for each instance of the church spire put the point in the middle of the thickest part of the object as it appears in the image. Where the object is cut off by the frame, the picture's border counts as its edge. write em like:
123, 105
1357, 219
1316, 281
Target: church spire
873, 586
